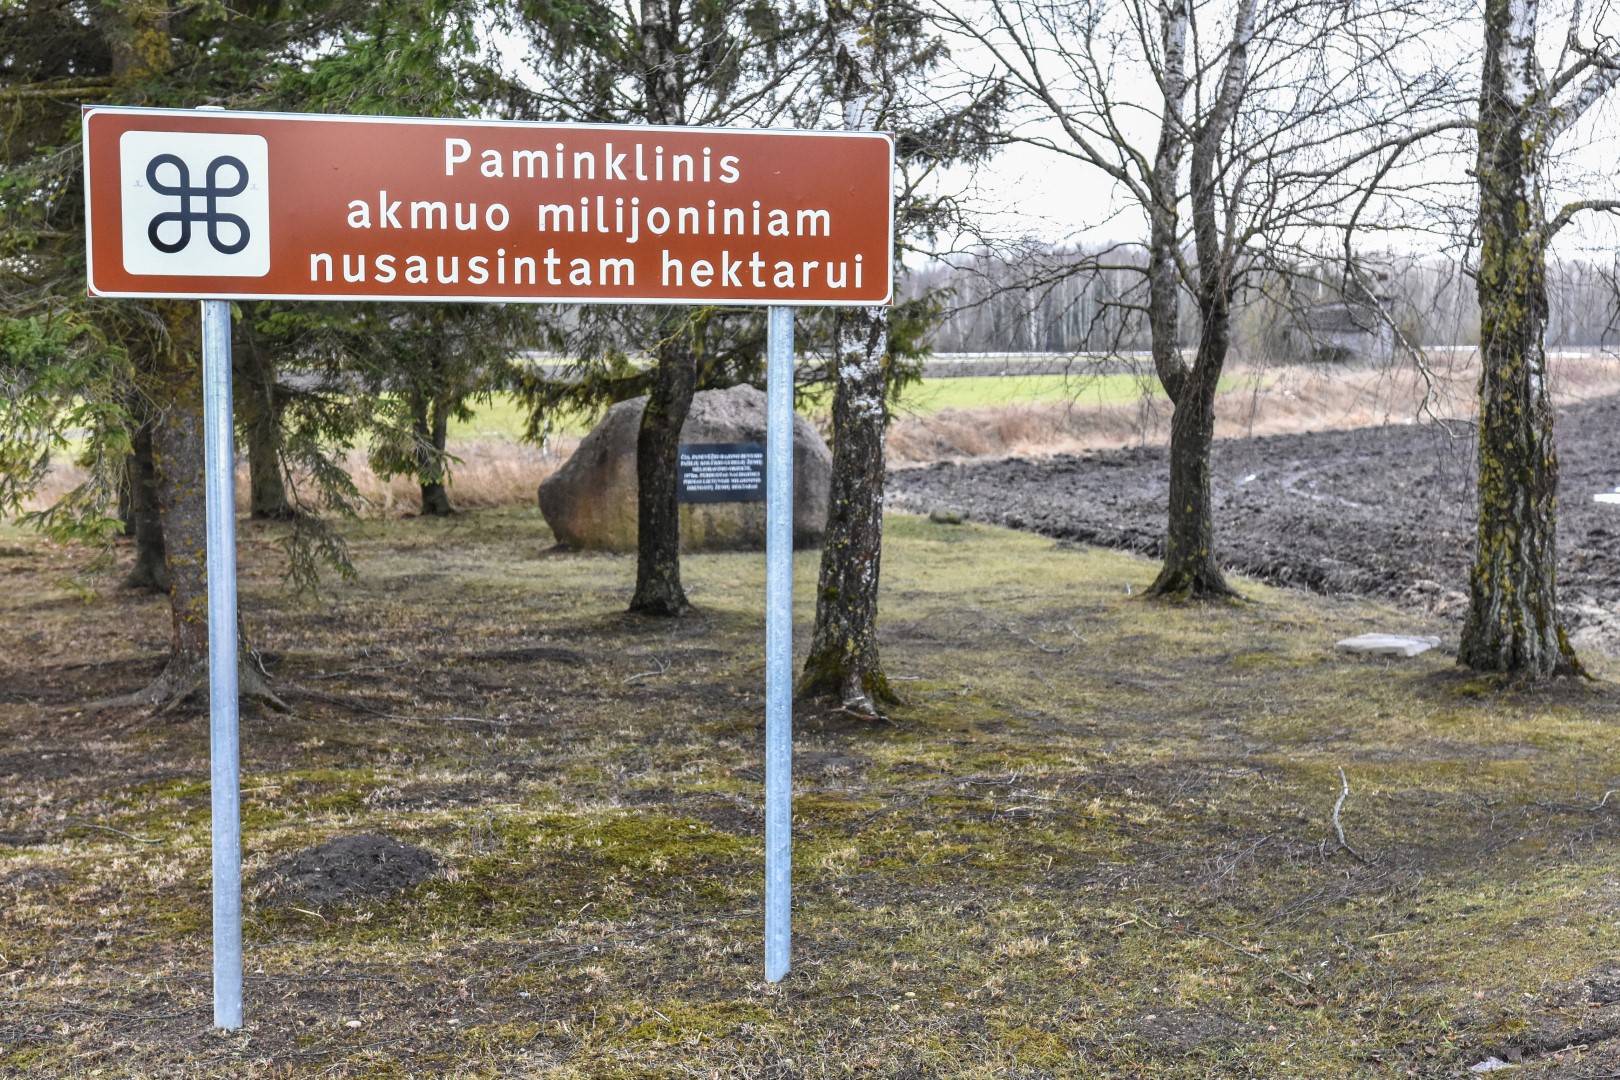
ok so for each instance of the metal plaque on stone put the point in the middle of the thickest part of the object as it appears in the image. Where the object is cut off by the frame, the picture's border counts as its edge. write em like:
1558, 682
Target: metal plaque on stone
722, 472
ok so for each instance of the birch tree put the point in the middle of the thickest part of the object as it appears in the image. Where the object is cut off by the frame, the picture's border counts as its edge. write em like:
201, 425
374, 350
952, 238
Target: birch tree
1237, 130
843, 659
1513, 626
884, 62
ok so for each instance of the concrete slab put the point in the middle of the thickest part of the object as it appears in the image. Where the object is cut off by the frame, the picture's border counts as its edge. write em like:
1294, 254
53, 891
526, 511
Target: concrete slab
1387, 645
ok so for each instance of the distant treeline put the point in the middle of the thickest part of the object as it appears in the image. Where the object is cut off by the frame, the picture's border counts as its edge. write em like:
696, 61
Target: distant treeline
1068, 300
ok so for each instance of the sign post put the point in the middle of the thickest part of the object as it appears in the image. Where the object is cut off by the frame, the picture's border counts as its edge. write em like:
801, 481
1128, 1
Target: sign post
778, 641
217, 206
219, 450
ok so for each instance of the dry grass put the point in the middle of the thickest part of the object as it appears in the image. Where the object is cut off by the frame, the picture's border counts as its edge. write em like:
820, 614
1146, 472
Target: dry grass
1262, 401
487, 473
1097, 840
1265, 401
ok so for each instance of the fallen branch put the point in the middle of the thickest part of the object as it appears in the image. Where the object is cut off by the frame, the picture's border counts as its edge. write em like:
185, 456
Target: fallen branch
1344, 793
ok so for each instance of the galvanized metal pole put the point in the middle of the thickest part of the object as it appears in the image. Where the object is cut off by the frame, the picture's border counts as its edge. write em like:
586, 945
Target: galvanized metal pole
778, 642
224, 753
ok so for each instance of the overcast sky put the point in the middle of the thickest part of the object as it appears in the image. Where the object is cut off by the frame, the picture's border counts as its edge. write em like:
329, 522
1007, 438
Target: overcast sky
1031, 193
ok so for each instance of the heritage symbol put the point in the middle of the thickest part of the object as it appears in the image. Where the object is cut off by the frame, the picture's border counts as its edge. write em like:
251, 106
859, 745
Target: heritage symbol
211, 192
195, 204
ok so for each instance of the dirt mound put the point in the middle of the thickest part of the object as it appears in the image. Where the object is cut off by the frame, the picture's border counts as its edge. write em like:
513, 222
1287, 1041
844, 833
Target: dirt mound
348, 868
1383, 511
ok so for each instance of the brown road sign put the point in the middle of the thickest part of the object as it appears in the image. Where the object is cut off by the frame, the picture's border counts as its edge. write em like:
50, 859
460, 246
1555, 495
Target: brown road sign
304, 206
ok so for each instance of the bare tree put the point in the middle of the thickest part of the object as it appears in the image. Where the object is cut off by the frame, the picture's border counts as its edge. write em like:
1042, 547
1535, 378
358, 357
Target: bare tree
1513, 626
1239, 130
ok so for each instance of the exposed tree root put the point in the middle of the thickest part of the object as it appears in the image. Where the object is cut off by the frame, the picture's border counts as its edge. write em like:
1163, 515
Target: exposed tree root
661, 604
148, 575
861, 695
1197, 584
181, 681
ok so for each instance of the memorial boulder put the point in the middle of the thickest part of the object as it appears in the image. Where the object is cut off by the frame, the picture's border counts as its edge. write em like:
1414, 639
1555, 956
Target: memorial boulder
590, 503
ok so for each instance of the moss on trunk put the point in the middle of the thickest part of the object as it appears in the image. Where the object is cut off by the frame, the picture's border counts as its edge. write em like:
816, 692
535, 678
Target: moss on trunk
1513, 627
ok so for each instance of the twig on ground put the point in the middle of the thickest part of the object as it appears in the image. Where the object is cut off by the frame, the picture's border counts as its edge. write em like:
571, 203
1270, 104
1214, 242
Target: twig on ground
663, 666
110, 829
1256, 957
1344, 793
1572, 808
359, 670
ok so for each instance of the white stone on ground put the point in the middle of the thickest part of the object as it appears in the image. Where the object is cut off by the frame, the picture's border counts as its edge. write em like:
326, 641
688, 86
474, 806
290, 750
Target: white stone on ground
1387, 645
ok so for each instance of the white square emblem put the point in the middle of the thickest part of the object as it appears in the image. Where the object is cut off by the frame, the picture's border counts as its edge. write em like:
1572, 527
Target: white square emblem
195, 204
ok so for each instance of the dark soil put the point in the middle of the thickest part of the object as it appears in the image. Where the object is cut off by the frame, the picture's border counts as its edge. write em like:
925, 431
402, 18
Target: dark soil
349, 868
1384, 512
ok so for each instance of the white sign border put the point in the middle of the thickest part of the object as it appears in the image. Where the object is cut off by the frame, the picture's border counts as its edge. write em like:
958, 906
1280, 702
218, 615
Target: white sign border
89, 111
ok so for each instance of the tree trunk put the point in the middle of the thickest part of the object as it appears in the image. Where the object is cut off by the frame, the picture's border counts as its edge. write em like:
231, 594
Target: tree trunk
1164, 234
843, 661
261, 423
145, 518
435, 499
178, 459
1512, 626
658, 517
658, 511
1190, 570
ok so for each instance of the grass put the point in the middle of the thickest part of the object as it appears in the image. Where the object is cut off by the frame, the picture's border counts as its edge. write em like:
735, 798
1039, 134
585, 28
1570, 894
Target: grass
931, 396
974, 392
1097, 840
503, 418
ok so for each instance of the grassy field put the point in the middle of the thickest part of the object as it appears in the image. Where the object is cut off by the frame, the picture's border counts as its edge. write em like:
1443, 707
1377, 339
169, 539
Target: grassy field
503, 418
1098, 839
987, 392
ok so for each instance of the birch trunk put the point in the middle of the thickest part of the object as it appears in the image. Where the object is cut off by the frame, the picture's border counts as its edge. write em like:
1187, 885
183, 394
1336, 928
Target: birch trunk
843, 662
1191, 570
1512, 626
